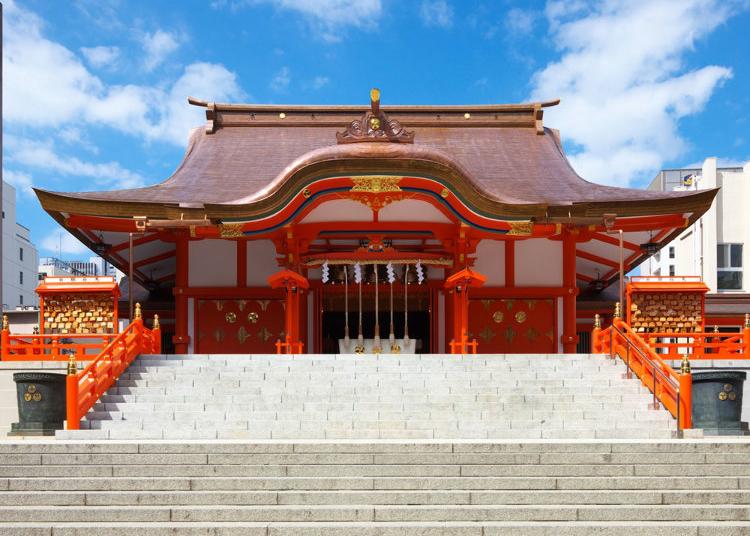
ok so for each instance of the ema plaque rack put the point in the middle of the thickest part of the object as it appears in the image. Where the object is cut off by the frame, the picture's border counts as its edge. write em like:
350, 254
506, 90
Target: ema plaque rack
78, 305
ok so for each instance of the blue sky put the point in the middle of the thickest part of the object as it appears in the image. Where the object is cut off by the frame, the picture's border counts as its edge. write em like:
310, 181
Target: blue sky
95, 90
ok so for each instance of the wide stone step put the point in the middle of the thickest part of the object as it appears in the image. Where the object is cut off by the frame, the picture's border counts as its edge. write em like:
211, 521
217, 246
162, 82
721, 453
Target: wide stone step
495, 528
374, 497
91, 484
436, 512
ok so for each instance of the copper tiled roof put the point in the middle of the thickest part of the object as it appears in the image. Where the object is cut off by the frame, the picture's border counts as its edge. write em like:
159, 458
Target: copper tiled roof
502, 154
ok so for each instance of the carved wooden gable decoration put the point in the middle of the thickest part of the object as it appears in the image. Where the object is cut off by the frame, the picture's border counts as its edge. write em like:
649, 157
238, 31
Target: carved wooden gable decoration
375, 125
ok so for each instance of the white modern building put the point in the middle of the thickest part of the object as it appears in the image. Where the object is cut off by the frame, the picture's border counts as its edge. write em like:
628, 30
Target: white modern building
717, 246
20, 257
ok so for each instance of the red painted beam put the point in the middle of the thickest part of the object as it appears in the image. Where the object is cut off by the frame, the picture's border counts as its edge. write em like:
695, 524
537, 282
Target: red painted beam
597, 259
156, 258
601, 237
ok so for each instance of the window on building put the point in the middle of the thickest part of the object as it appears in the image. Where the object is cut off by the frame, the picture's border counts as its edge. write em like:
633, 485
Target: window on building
20, 253
729, 265
20, 299
20, 278
671, 269
671, 252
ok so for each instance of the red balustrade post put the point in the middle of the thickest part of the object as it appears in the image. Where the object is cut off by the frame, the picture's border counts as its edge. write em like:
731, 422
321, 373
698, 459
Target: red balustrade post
71, 395
156, 335
5, 340
685, 379
596, 334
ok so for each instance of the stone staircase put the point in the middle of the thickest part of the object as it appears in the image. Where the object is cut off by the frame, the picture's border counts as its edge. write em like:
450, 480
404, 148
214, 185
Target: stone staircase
378, 488
313, 397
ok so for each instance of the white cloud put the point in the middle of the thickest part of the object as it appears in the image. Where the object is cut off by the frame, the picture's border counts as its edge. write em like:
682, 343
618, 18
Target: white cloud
22, 181
623, 83
280, 81
46, 85
62, 242
320, 81
520, 21
42, 155
436, 13
157, 46
328, 17
101, 56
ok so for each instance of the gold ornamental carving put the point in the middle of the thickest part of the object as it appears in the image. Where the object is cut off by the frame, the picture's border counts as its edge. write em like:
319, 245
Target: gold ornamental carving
252, 317
498, 316
231, 318
521, 317
231, 230
520, 228
375, 184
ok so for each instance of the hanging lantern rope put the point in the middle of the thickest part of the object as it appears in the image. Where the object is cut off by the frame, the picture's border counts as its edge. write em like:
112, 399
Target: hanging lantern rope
406, 306
391, 279
347, 340
360, 348
376, 339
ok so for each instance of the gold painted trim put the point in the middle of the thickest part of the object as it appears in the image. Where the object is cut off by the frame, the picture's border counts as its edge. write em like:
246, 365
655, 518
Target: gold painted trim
520, 228
230, 230
375, 184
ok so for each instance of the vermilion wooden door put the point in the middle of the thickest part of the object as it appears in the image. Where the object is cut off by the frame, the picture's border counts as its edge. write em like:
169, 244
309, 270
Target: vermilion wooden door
247, 326
513, 326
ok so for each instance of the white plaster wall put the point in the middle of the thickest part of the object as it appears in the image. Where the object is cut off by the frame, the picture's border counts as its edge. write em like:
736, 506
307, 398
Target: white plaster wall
412, 210
490, 262
559, 303
342, 209
441, 323
539, 263
191, 324
261, 262
213, 263
310, 331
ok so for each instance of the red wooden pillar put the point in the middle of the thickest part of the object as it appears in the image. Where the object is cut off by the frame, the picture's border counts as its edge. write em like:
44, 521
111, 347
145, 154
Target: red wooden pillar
569, 337
294, 284
181, 338
459, 283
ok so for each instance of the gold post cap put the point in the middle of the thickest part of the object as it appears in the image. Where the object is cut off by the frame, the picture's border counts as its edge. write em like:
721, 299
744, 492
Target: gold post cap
6, 323
72, 367
597, 321
375, 94
747, 320
716, 329
156, 322
138, 314
685, 367
618, 310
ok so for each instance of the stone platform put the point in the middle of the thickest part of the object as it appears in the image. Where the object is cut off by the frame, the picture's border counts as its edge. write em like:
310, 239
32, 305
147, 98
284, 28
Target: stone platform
366, 397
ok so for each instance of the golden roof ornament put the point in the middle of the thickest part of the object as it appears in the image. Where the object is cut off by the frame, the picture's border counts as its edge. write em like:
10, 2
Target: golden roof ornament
375, 125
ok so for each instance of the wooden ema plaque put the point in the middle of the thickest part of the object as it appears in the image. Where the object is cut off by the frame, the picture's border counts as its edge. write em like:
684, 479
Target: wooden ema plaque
666, 304
78, 305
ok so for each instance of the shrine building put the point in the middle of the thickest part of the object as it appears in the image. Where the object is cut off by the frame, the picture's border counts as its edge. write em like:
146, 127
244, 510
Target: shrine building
388, 229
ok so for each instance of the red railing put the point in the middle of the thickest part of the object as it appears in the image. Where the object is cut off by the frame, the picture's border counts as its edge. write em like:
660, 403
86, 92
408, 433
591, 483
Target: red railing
701, 345
85, 387
52, 347
464, 346
670, 388
291, 347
